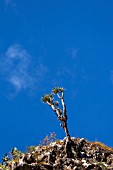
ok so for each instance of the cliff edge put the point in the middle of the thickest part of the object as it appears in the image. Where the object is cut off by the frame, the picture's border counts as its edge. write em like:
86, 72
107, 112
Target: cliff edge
83, 155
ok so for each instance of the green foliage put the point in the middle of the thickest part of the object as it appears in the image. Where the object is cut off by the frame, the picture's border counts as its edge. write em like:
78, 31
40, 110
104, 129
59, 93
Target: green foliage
10, 159
47, 98
31, 149
102, 165
3, 167
57, 90
5, 159
15, 153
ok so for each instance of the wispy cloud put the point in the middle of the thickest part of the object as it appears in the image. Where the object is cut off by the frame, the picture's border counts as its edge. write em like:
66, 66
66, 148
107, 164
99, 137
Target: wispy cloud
69, 72
20, 70
11, 4
72, 52
70, 69
8, 2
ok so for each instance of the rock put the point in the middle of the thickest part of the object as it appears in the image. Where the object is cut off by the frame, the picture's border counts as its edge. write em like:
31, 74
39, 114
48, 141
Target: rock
76, 154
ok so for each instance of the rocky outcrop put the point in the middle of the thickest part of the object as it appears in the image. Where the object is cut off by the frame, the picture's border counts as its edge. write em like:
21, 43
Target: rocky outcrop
82, 155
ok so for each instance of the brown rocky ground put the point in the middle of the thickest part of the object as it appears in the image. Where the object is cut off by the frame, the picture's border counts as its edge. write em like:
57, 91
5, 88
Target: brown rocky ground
79, 154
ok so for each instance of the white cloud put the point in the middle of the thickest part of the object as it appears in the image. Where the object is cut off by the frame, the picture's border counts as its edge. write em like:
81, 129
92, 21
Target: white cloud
20, 70
11, 4
7, 2
72, 52
15, 51
17, 82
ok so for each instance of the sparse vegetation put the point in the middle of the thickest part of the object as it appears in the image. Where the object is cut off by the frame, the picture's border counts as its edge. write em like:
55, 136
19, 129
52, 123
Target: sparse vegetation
48, 139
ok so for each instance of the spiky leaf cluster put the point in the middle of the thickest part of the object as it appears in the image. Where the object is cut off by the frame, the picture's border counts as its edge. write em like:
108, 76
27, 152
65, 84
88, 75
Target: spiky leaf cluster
47, 98
57, 90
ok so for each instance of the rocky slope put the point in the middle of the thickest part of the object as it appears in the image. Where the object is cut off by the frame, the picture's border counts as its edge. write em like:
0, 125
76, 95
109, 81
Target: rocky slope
77, 154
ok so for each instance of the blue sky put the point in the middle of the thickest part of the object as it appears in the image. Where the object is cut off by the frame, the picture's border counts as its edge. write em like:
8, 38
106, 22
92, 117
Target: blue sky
51, 43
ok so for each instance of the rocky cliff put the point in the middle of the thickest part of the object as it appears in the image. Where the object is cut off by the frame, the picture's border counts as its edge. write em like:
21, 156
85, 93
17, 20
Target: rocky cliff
77, 154
67, 154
